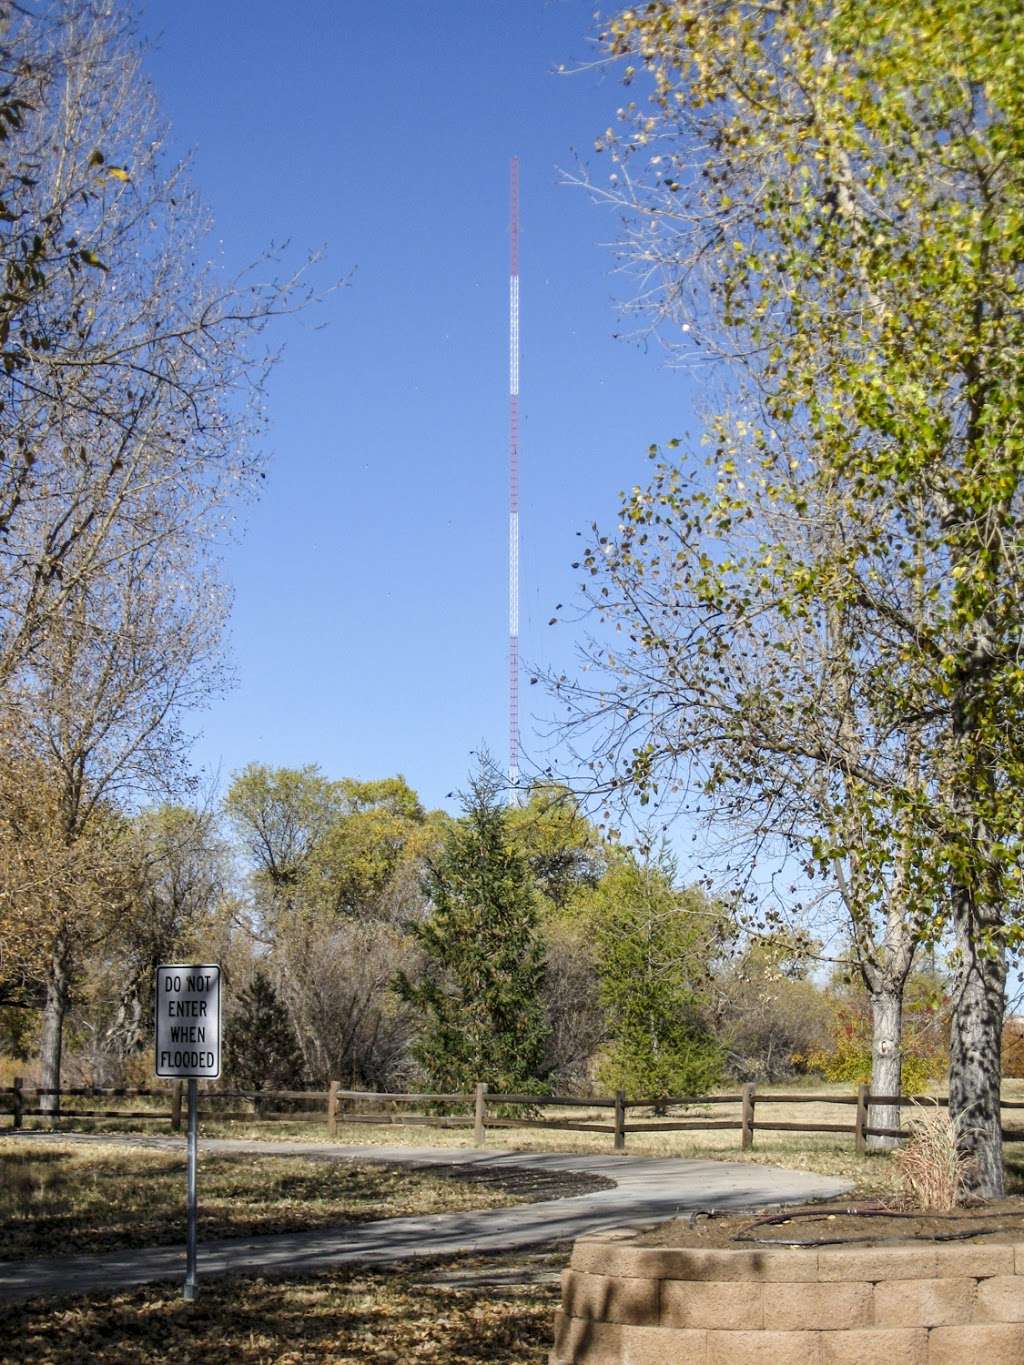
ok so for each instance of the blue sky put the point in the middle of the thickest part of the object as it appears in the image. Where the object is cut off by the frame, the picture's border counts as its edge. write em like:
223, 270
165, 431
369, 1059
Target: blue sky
369, 626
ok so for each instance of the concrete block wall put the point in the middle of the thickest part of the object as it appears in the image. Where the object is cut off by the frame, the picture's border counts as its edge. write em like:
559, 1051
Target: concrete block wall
938, 1304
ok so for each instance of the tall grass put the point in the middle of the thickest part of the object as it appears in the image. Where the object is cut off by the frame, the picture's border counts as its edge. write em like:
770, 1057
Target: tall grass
931, 1166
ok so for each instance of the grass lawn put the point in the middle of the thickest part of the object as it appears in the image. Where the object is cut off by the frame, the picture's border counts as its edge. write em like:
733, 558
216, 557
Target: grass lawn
339, 1317
58, 1197
826, 1154
63, 1198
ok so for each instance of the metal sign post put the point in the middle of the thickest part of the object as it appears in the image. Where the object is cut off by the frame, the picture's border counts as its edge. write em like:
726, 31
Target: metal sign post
191, 1231
188, 1046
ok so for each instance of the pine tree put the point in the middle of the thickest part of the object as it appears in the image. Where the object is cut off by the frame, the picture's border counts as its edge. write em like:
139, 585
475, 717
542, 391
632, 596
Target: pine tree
261, 1049
480, 989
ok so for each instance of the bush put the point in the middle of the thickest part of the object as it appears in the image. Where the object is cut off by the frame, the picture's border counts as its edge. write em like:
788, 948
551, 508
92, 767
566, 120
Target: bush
1013, 1048
925, 1054
773, 1020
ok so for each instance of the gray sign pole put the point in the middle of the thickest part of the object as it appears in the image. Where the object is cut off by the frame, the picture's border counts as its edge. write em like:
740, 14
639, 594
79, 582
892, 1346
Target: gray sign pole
188, 1046
193, 1152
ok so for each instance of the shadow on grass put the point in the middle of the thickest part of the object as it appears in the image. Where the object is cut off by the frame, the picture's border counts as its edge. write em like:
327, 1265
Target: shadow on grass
343, 1316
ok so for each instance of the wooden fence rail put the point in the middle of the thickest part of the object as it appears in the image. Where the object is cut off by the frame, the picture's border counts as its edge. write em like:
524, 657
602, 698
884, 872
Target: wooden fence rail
481, 1109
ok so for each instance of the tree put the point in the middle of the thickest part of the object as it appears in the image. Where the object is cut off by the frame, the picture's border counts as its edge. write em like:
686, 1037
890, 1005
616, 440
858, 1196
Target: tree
99, 714
772, 1020
369, 863
653, 948
130, 388
181, 886
280, 815
572, 1002
46, 877
337, 981
853, 234
566, 856
336, 867
848, 1056
727, 684
479, 992
562, 848
129, 393
260, 1050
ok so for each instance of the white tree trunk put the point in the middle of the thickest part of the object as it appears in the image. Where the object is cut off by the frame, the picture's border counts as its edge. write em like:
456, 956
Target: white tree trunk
886, 1061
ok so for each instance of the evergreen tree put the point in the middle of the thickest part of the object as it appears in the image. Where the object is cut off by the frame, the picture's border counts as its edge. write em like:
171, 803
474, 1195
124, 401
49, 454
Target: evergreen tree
652, 946
261, 1049
480, 991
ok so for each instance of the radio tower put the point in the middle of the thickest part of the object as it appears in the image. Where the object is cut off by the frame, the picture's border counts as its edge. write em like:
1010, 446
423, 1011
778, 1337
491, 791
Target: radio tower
513, 485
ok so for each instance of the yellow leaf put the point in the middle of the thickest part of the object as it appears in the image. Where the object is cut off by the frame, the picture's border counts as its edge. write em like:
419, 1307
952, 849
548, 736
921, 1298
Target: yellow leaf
118, 173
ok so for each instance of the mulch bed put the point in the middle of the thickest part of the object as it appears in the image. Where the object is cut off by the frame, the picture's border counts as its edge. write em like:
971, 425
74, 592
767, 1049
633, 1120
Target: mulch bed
840, 1223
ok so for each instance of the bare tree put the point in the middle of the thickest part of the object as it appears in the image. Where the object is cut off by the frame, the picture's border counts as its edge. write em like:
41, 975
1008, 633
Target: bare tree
338, 984
131, 385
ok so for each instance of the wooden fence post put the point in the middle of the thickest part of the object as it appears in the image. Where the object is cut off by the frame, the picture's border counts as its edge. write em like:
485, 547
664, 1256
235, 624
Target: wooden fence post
332, 1110
176, 1106
480, 1115
747, 1119
860, 1130
620, 1120
19, 1104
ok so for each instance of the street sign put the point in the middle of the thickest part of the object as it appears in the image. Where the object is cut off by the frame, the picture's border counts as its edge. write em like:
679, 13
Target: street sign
188, 1021
188, 1046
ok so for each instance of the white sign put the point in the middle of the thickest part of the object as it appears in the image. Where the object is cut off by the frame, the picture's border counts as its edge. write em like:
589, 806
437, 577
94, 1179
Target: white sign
187, 1020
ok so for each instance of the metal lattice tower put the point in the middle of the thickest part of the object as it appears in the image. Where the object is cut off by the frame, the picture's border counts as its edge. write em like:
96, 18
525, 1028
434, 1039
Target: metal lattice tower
513, 483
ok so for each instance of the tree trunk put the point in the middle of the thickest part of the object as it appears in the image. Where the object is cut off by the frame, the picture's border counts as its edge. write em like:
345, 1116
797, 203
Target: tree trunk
58, 994
886, 1060
975, 1071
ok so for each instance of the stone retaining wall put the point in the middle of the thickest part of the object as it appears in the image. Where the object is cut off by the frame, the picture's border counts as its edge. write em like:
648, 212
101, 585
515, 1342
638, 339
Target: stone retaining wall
935, 1304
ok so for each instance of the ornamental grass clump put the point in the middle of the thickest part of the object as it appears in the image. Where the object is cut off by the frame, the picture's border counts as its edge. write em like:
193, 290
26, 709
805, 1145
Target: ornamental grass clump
932, 1166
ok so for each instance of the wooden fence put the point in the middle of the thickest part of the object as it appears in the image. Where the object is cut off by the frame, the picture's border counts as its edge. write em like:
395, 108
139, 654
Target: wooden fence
17, 1094
479, 1108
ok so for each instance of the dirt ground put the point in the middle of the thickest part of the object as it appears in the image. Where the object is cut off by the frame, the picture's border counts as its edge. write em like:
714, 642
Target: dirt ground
840, 1223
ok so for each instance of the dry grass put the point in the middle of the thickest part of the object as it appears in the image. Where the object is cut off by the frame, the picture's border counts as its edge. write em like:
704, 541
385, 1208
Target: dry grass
826, 1154
347, 1318
341, 1318
931, 1165
64, 1198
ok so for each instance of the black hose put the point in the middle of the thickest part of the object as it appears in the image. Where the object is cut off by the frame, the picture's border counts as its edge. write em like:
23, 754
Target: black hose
746, 1234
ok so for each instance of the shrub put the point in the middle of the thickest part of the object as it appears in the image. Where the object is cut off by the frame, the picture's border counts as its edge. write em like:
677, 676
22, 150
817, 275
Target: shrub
1013, 1048
932, 1166
925, 1046
772, 1019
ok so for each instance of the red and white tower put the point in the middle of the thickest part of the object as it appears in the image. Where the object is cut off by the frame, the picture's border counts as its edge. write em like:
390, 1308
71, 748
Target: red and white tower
513, 484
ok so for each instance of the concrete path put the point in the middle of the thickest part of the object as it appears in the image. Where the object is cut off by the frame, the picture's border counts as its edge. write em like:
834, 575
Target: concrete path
647, 1189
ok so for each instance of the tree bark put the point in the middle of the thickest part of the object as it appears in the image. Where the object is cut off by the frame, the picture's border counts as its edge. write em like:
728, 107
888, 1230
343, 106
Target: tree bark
886, 1060
979, 1000
55, 1006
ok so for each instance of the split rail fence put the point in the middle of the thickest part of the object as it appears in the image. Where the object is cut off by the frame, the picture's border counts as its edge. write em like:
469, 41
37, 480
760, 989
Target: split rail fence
335, 1106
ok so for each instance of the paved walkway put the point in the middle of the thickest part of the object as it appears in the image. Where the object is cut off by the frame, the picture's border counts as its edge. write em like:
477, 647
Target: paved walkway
647, 1189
